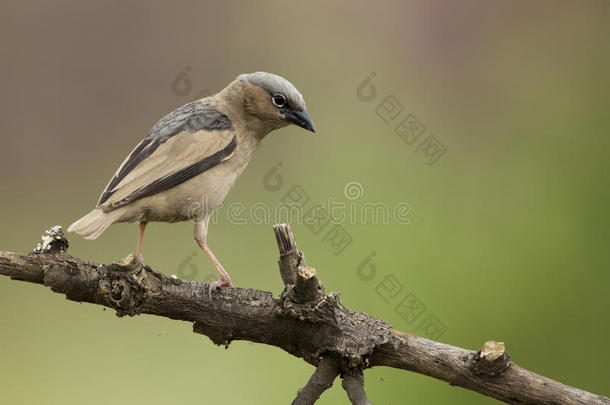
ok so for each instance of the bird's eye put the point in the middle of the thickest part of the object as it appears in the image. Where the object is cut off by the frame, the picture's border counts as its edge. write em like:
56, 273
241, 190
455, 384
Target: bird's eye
279, 100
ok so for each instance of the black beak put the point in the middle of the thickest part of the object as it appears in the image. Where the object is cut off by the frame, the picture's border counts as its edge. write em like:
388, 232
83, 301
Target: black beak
300, 118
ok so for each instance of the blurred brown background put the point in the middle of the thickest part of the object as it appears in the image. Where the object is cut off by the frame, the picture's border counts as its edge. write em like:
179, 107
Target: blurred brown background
508, 237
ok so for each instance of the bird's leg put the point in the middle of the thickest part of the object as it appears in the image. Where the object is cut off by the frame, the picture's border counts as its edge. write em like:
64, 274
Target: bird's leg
200, 233
140, 239
225, 280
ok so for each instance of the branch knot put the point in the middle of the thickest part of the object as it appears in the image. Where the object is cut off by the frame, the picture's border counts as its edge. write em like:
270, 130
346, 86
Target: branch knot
53, 241
492, 360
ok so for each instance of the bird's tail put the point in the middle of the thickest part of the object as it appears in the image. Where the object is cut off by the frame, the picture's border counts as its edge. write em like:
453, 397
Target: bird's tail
94, 223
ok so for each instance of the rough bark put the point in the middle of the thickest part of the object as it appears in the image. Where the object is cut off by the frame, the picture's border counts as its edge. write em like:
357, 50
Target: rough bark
353, 384
321, 380
304, 321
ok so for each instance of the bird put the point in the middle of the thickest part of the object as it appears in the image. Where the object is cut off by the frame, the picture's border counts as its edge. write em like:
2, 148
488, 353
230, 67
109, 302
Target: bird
186, 164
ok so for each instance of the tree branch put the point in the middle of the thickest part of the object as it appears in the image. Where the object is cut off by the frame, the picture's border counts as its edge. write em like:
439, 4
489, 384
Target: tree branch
304, 321
322, 379
353, 383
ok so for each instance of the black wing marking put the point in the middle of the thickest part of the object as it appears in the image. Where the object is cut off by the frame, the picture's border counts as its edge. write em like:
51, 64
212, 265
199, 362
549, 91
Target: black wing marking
172, 180
191, 117
141, 152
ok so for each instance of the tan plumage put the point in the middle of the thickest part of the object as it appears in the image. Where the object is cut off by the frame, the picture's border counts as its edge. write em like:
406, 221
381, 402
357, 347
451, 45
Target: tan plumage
186, 165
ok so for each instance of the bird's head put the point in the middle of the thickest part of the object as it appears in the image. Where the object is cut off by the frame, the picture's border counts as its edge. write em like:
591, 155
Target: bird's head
275, 100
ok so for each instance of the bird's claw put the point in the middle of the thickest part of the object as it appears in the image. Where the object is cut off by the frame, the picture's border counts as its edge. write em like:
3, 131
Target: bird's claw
222, 282
139, 258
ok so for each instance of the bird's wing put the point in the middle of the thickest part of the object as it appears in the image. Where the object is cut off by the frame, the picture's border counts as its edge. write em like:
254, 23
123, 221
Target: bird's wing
182, 145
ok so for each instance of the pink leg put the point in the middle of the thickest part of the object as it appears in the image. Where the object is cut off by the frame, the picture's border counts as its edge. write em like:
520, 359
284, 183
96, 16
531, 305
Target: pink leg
200, 233
225, 280
140, 239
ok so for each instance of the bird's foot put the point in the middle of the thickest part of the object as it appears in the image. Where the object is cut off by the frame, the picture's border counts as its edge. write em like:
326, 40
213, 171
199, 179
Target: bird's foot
224, 281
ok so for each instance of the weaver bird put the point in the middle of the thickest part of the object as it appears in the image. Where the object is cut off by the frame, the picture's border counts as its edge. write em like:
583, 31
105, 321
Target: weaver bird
193, 156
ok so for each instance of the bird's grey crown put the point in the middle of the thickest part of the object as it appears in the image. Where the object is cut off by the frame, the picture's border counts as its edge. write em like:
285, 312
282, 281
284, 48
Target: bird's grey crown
276, 84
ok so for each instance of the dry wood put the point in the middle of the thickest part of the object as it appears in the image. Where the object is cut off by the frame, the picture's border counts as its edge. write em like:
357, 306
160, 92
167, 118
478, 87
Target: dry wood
304, 321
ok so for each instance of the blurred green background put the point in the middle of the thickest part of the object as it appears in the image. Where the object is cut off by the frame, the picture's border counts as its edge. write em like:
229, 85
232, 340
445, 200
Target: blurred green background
507, 236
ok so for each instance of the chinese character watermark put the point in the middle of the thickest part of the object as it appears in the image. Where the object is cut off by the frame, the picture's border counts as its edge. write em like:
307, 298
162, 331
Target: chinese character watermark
404, 124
